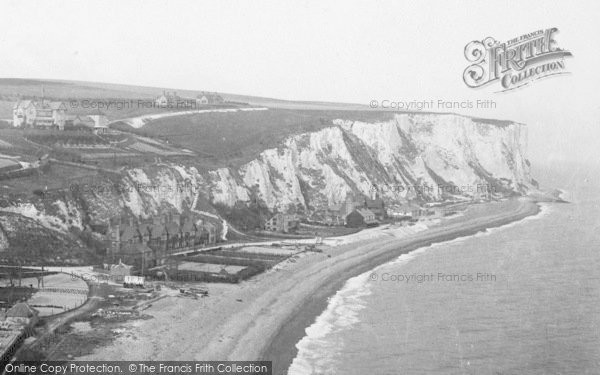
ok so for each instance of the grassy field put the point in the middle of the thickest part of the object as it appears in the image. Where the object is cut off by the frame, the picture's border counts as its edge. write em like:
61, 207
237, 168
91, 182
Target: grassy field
219, 139
11, 87
73, 89
234, 138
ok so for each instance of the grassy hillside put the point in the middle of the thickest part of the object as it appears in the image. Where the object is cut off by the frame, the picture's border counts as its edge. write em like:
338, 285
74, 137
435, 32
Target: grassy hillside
11, 88
218, 138
73, 89
233, 138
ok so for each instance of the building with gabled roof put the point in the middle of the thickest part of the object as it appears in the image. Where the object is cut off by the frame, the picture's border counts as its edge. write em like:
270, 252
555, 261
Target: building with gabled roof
361, 217
21, 310
164, 234
377, 206
100, 123
120, 270
206, 98
283, 223
44, 114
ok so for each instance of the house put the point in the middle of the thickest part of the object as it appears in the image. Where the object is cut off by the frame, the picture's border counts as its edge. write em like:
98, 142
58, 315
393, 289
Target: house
377, 206
167, 99
172, 100
334, 215
100, 123
172, 229
22, 314
348, 206
208, 233
23, 113
41, 114
188, 231
21, 310
69, 120
59, 113
283, 223
209, 99
400, 211
83, 123
158, 233
361, 217
119, 271
144, 232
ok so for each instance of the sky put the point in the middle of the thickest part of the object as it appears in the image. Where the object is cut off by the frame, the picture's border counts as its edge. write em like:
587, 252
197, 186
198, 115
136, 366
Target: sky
341, 51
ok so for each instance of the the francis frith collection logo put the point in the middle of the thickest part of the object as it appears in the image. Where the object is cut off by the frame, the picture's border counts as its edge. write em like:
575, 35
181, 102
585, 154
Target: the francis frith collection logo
514, 63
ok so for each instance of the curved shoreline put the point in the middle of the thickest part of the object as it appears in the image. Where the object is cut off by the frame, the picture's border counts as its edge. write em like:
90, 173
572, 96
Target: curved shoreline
266, 316
282, 350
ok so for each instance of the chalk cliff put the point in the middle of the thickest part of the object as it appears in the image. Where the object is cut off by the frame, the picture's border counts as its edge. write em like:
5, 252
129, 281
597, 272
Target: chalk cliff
423, 157
413, 156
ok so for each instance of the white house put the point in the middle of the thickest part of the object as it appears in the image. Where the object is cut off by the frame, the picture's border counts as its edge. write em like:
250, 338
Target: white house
45, 114
168, 99
23, 113
208, 99
100, 123
59, 114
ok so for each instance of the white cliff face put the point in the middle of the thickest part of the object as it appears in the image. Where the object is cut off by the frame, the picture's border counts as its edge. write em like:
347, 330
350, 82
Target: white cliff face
461, 150
225, 189
143, 192
412, 155
409, 156
60, 215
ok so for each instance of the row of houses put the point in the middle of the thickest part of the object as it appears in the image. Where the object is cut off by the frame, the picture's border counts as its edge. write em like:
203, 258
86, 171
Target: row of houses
352, 213
53, 115
361, 217
371, 211
356, 213
132, 239
172, 100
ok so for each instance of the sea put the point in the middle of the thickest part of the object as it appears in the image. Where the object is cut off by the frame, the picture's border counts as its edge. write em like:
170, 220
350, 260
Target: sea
523, 298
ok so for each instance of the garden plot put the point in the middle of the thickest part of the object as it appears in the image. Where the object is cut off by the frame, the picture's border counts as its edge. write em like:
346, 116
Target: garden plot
283, 251
210, 268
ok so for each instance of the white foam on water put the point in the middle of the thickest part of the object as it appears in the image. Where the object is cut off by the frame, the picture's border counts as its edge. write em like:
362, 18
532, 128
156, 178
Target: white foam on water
317, 350
545, 210
342, 311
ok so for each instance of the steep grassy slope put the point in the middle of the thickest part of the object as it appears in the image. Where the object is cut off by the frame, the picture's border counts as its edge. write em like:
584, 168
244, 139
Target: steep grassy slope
234, 138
